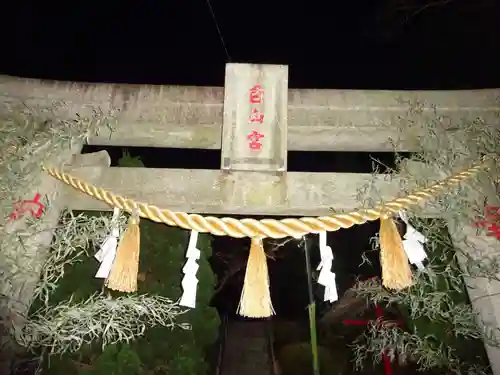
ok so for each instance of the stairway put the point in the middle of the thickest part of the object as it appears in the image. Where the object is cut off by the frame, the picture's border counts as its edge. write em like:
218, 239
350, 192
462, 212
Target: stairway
246, 350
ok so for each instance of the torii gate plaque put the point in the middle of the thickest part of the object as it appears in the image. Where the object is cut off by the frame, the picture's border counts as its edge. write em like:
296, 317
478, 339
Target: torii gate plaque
254, 134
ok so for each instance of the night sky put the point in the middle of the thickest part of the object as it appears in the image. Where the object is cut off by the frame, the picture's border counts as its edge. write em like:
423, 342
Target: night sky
398, 44
391, 44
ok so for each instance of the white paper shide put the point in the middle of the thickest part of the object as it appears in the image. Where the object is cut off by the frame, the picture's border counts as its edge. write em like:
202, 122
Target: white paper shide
107, 252
413, 243
189, 281
326, 276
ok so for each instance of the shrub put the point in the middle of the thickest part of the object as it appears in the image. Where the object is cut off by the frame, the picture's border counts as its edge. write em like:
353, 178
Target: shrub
296, 359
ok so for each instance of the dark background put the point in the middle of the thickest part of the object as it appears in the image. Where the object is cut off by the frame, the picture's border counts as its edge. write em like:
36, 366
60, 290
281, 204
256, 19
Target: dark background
389, 44
397, 44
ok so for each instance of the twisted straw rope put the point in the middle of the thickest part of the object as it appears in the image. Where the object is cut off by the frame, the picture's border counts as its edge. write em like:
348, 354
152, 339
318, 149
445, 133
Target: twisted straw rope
288, 227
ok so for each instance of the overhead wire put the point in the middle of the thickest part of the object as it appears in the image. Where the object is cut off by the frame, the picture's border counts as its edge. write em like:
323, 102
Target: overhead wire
221, 37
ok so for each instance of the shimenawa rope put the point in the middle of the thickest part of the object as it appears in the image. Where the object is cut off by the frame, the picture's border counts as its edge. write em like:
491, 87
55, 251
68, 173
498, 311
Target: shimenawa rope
289, 227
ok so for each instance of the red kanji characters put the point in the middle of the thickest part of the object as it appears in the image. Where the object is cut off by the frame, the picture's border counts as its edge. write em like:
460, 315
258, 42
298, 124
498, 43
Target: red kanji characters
254, 138
491, 221
32, 205
256, 94
256, 117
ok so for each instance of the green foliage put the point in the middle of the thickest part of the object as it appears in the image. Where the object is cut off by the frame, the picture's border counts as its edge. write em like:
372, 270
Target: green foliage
441, 328
161, 350
296, 359
444, 330
129, 161
182, 350
447, 280
288, 332
172, 351
116, 360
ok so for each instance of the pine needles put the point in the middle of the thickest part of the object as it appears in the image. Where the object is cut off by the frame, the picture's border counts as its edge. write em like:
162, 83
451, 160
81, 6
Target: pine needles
28, 137
447, 145
66, 327
72, 238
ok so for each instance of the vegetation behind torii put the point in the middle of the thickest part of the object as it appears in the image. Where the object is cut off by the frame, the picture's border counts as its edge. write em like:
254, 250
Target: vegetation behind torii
161, 350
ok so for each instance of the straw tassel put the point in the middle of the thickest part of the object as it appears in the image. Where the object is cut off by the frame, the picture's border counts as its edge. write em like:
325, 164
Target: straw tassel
123, 275
396, 271
255, 299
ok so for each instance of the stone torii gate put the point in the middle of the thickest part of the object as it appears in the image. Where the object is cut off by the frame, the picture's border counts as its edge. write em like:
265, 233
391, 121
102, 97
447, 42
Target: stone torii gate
255, 119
